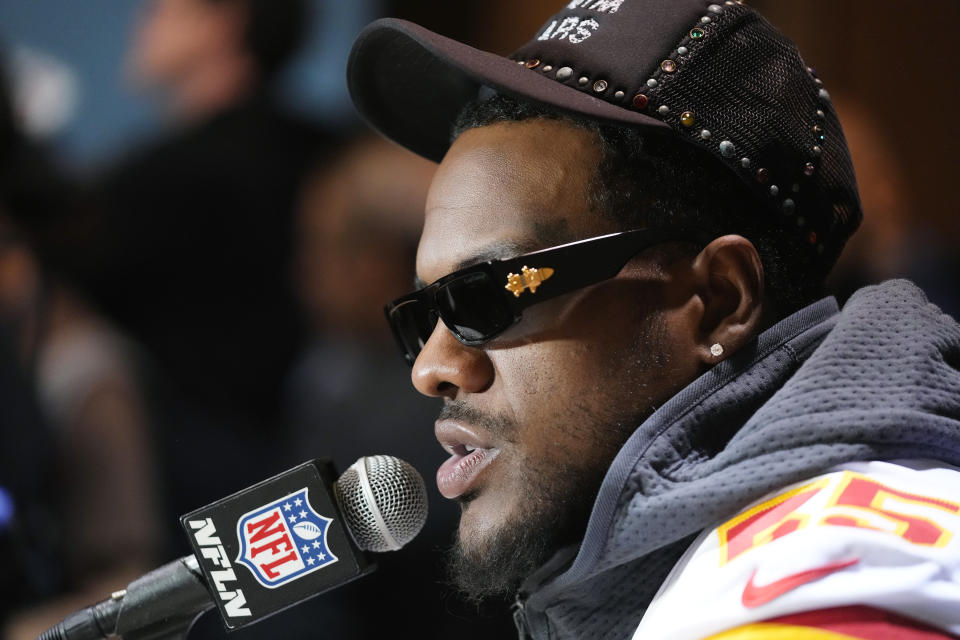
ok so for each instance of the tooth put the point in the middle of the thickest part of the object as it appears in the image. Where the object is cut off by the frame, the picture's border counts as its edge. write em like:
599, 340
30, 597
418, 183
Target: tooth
469, 448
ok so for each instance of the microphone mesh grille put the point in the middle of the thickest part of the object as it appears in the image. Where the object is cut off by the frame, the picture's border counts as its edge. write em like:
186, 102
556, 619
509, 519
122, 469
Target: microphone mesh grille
398, 493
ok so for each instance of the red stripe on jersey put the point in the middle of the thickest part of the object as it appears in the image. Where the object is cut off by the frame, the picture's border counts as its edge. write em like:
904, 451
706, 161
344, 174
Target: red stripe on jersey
866, 622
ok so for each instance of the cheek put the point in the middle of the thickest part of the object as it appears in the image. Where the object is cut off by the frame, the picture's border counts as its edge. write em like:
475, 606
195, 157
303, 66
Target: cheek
565, 386
570, 347
556, 387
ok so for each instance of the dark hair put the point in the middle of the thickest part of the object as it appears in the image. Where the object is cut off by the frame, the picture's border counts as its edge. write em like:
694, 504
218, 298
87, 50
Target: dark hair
652, 180
275, 30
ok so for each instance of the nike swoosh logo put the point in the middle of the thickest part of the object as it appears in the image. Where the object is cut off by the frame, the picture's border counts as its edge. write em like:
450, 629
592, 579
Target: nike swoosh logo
755, 596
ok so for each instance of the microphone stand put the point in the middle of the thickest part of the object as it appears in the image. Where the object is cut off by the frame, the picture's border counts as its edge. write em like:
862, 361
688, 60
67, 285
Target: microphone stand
160, 605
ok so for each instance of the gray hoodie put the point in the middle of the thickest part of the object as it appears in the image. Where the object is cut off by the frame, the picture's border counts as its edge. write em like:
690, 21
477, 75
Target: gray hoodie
879, 380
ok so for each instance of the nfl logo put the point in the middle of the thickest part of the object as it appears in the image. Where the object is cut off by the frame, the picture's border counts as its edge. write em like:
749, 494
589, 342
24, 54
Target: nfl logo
284, 540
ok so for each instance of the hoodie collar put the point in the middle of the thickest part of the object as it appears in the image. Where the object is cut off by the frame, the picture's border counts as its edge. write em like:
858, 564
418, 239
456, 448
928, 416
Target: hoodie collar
778, 344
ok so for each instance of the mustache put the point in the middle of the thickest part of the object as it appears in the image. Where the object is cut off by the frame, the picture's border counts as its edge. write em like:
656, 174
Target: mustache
498, 425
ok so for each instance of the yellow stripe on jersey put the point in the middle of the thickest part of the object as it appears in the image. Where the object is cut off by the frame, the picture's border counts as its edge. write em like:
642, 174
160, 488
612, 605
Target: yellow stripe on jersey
772, 631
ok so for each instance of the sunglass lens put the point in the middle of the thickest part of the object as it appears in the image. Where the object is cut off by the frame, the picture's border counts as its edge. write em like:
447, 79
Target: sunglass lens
473, 307
412, 324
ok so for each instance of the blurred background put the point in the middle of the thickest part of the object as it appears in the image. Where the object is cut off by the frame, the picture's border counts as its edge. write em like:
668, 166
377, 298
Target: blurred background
197, 235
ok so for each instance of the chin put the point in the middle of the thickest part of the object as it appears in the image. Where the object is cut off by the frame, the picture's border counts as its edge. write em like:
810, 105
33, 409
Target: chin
483, 518
497, 548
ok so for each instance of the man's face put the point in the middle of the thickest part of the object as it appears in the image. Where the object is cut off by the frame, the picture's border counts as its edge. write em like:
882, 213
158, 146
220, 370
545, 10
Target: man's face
533, 418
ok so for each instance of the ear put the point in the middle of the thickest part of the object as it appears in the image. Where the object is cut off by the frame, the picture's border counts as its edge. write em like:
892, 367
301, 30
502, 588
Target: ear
728, 276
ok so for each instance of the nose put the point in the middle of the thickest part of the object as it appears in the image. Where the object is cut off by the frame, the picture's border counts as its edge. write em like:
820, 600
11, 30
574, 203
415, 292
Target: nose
446, 367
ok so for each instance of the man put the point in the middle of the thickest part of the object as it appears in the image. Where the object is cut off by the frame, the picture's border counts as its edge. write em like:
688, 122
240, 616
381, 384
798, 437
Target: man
659, 398
187, 246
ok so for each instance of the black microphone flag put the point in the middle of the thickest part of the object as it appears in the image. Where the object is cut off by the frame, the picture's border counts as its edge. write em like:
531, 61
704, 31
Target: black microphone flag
274, 544
266, 548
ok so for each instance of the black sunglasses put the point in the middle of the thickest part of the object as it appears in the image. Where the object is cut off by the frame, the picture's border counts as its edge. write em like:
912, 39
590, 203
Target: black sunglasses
480, 302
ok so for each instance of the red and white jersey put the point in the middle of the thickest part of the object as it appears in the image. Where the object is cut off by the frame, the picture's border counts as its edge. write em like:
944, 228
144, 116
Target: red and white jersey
866, 550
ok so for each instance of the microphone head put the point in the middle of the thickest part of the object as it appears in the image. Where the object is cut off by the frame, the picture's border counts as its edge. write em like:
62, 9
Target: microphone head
384, 502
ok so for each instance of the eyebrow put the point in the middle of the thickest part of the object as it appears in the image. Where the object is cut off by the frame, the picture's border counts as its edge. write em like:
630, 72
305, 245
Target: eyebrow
546, 234
497, 251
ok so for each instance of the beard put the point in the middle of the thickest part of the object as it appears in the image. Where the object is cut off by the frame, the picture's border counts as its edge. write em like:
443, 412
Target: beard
558, 495
553, 516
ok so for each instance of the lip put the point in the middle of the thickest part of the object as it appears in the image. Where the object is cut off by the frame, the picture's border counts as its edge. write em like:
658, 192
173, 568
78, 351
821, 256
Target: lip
469, 453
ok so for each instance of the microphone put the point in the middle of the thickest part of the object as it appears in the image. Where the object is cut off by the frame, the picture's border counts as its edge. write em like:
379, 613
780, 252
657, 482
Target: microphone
266, 548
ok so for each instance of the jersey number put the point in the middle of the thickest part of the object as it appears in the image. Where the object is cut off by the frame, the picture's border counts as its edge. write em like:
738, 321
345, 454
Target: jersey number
856, 501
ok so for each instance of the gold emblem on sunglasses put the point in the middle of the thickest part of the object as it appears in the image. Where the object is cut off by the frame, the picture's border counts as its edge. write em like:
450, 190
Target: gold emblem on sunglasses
530, 279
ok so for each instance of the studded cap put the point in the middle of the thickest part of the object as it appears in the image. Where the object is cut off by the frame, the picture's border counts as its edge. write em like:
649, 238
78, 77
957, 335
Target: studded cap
718, 76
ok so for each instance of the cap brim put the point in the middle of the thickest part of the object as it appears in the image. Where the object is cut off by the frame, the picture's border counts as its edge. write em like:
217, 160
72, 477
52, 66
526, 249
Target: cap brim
410, 84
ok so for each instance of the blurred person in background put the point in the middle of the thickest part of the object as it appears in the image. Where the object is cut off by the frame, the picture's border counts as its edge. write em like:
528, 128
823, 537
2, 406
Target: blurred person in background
84, 444
84, 375
27, 479
358, 227
187, 242
27, 490
200, 58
